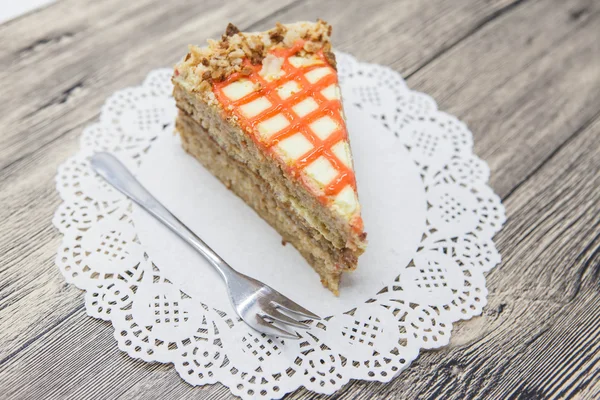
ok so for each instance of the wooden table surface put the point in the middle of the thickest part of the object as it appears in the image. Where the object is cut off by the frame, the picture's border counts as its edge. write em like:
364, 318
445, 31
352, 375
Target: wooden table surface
523, 74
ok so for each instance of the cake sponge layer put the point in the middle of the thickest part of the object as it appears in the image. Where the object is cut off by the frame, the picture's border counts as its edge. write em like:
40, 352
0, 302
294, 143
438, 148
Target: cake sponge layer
256, 192
241, 148
263, 112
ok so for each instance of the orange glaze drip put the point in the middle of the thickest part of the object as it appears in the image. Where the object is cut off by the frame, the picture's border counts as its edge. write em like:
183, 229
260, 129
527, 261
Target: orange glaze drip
332, 108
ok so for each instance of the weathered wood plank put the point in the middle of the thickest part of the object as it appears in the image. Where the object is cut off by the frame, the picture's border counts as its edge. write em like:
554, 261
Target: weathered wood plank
417, 32
76, 50
545, 338
474, 79
92, 54
29, 241
527, 345
53, 129
526, 336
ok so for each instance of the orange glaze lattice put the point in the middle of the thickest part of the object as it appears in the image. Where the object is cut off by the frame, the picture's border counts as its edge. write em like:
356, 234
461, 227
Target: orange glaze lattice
332, 108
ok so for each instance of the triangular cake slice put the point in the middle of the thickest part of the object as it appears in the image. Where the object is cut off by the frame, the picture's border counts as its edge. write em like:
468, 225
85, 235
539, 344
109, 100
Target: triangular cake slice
263, 112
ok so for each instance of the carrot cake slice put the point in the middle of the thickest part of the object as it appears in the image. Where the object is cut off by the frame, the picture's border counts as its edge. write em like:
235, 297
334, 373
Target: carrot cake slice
263, 112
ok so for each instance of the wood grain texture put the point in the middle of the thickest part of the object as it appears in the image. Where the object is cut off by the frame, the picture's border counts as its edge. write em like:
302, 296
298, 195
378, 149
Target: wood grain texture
524, 75
42, 132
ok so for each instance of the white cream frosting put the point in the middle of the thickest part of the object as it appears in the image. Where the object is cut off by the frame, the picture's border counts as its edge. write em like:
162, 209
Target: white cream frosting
342, 152
238, 89
255, 107
272, 125
316, 74
321, 171
346, 201
324, 126
271, 68
293, 147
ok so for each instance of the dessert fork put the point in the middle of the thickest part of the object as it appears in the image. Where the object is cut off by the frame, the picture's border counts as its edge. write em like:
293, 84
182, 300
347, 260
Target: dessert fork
258, 305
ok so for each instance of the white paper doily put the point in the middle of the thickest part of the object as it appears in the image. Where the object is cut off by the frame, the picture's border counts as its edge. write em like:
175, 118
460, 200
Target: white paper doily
424, 265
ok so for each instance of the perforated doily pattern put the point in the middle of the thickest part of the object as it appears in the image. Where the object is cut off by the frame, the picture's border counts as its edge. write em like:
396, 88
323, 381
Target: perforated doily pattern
154, 321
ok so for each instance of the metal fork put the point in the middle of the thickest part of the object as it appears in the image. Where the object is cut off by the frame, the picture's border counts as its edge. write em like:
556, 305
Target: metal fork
260, 306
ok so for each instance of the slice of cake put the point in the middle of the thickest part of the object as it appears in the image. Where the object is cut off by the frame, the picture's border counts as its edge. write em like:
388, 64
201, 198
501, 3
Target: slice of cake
262, 112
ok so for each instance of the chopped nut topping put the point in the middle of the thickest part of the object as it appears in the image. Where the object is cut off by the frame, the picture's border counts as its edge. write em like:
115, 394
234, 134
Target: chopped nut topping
231, 29
238, 53
276, 37
217, 75
204, 85
202, 66
311, 47
280, 26
256, 59
330, 57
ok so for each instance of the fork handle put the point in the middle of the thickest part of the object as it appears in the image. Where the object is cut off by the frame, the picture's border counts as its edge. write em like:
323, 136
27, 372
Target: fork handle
115, 173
